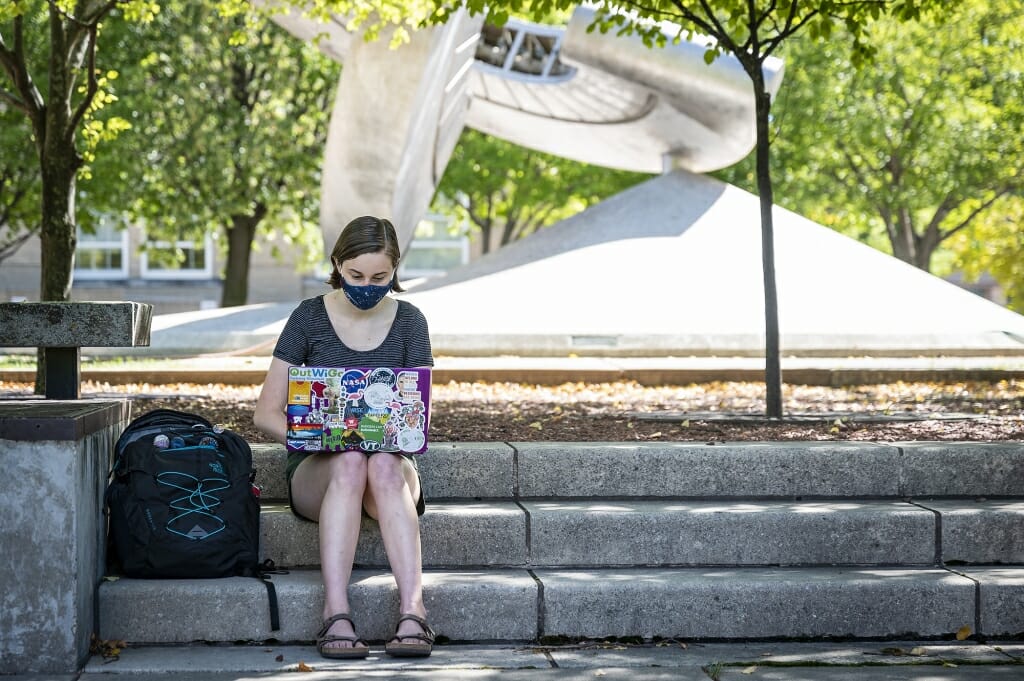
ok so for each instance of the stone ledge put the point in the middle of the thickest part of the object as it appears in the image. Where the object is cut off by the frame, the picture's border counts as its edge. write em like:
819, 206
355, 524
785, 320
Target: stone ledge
75, 324
36, 420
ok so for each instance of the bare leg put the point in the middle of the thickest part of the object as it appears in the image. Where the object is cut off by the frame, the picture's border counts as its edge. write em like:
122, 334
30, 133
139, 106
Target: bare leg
392, 490
330, 487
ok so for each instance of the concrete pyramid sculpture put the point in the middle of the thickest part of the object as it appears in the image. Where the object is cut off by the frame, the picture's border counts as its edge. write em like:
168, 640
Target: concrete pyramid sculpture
673, 267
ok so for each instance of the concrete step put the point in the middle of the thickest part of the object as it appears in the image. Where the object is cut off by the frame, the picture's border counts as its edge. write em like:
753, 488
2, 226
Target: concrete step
684, 470
447, 471
522, 605
601, 533
453, 534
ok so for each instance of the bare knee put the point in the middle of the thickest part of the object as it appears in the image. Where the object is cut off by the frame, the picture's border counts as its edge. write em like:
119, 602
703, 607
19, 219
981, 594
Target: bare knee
384, 473
347, 471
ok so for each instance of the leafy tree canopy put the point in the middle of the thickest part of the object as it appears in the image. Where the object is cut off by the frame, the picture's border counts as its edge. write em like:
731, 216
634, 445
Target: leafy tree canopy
507, 191
227, 134
915, 148
19, 183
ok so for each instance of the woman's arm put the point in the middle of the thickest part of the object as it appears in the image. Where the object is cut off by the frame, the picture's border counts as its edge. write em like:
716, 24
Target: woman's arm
269, 416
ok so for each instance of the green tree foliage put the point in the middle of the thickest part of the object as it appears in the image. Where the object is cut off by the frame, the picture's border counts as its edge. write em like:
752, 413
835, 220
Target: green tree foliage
53, 72
507, 191
51, 75
995, 244
915, 147
19, 183
751, 31
229, 121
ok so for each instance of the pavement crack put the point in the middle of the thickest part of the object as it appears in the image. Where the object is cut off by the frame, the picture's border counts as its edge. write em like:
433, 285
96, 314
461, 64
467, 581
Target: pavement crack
540, 606
938, 530
977, 600
515, 470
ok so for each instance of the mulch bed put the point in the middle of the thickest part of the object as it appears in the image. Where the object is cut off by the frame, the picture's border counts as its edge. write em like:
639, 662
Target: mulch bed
626, 411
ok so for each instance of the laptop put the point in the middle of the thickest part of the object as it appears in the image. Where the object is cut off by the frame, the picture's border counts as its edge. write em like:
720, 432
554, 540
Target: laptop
370, 409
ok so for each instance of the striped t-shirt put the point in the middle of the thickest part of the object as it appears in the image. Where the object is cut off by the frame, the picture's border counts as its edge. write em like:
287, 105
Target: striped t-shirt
308, 338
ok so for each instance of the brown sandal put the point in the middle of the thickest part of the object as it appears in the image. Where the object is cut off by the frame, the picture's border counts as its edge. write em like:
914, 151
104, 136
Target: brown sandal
354, 652
397, 647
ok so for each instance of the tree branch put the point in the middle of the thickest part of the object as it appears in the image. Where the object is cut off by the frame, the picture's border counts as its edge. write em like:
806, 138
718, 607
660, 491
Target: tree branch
966, 221
944, 209
711, 28
13, 62
92, 85
852, 164
536, 221
10, 246
790, 27
14, 101
89, 18
474, 215
718, 30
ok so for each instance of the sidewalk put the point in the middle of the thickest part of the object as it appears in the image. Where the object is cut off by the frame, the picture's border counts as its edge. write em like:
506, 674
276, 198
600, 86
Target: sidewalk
858, 661
831, 371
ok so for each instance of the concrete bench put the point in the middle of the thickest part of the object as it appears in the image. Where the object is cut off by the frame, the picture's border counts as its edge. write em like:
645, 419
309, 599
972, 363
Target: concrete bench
62, 329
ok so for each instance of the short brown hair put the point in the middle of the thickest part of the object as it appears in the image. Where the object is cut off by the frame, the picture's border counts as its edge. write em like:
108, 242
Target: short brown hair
363, 235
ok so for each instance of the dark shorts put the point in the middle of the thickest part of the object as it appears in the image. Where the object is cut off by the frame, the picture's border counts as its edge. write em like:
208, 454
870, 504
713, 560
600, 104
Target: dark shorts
295, 458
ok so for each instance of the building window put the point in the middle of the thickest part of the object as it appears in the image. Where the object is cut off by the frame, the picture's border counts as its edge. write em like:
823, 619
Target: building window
178, 260
103, 254
434, 250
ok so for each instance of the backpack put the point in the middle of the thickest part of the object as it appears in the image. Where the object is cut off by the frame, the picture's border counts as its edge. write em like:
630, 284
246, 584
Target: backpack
182, 502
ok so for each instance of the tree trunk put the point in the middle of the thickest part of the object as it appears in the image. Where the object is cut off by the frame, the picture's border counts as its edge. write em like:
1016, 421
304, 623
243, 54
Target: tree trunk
485, 236
509, 228
236, 271
772, 365
59, 161
57, 232
57, 236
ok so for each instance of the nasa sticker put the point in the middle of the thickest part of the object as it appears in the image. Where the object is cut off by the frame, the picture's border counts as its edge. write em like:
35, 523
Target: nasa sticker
378, 395
410, 440
353, 383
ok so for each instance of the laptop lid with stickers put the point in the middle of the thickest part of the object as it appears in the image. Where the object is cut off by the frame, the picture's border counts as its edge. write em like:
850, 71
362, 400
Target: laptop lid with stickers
370, 409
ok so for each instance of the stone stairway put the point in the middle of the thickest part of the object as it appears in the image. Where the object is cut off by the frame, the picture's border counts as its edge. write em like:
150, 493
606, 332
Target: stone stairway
799, 540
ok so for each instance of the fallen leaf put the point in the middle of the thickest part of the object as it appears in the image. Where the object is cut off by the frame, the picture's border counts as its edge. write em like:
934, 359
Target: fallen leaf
654, 435
963, 632
918, 651
686, 423
111, 578
303, 667
948, 664
766, 654
537, 425
279, 658
749, 670
109, 650
600, 672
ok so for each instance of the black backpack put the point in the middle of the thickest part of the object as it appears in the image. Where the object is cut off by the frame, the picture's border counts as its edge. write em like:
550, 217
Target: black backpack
183, 503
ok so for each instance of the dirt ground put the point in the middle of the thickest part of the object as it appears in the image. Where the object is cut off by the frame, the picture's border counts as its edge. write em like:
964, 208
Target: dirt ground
625, 411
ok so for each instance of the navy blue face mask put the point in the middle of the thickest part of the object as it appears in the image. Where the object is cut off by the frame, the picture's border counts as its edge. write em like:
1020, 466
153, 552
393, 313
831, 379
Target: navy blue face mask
364, 297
